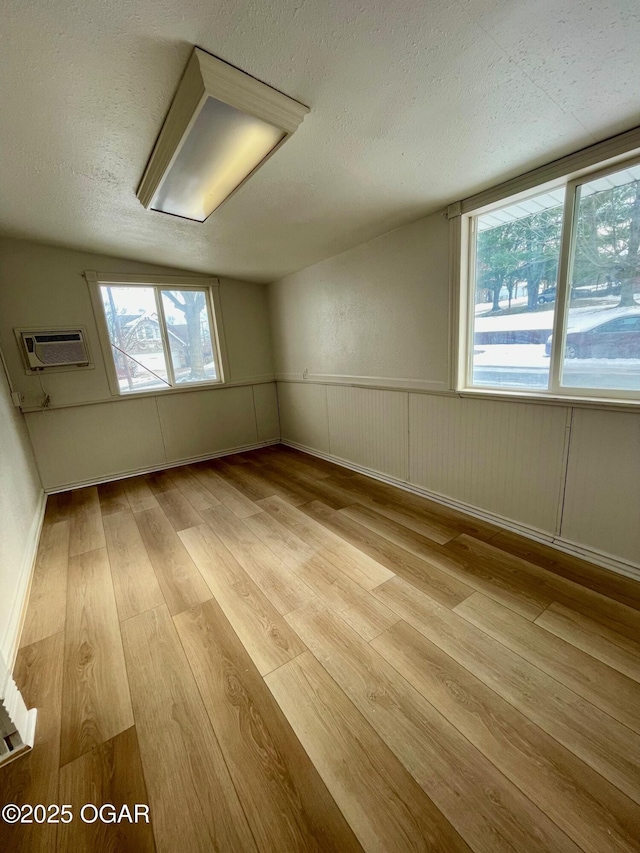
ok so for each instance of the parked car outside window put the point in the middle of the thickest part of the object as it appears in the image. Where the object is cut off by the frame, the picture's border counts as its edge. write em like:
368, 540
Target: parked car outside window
548, 295
617, 337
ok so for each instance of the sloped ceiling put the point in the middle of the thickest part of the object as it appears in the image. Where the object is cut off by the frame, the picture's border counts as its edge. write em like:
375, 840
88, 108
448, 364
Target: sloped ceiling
414, 105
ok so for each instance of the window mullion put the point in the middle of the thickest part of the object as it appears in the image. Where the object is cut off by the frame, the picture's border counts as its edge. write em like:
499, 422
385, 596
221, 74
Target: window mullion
563, 287
471, 303
164, 333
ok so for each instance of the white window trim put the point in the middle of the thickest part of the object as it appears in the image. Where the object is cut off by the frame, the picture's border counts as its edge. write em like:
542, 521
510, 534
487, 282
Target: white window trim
212, 288
462, 217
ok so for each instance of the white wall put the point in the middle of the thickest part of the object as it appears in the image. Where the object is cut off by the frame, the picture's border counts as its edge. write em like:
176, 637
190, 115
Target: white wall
378, 316
21, 507
87, 435
379, 310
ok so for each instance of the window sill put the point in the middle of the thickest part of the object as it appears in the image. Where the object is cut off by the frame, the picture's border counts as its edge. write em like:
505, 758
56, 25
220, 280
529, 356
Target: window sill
548, 399
174, 389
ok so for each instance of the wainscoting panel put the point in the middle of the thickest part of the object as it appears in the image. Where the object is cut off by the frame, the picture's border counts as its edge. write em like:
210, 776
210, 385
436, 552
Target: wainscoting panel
506, 458
196, 424
370, 427
602, 497
72, 445
265, 399
78, 445
303, 414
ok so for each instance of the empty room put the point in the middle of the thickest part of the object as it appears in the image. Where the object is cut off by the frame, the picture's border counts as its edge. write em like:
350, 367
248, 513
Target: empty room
320, 427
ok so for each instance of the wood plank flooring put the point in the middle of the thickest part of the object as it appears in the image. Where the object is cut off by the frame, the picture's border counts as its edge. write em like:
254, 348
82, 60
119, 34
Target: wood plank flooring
277, 654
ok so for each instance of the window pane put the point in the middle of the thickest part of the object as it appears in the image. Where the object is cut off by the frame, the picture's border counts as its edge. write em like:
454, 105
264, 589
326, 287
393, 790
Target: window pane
134, 332
517, 252
602, 341
189, 335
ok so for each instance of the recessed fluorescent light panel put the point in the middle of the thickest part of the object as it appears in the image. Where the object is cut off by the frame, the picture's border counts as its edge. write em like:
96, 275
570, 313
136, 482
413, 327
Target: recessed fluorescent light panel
222, 125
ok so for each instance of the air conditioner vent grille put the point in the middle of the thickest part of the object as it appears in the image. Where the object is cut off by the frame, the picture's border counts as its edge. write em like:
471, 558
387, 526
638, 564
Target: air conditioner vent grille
62, 353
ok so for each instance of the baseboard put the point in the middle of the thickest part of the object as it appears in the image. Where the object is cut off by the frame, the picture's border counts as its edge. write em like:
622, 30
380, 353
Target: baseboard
566, 546
602, 558
123, 475
11, 638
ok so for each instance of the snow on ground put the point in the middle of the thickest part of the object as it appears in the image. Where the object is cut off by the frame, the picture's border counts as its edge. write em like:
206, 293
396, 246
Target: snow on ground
512, 355
532, 355
512, 322
525, 365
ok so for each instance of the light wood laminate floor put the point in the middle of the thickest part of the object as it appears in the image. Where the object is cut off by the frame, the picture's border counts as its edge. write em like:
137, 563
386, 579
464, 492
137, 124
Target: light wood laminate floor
278, 654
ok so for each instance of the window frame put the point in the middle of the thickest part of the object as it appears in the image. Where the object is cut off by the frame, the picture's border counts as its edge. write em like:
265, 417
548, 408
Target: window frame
211, 287
465, 243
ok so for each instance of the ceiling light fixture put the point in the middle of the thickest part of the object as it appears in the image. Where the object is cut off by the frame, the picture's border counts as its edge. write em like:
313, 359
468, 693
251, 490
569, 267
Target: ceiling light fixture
222, 125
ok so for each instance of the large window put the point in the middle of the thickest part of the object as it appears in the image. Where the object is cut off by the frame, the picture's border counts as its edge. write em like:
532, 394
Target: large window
159, 335
554, 289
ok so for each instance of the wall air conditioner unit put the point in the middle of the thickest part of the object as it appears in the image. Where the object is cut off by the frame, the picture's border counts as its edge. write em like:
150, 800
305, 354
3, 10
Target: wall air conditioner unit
61, 348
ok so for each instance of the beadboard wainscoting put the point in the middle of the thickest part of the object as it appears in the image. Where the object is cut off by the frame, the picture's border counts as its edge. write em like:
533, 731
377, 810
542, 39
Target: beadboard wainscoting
555, 473
364, 428
507, 459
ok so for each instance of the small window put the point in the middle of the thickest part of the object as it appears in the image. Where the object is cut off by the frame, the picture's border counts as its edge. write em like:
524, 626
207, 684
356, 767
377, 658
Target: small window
159, 337
553, 295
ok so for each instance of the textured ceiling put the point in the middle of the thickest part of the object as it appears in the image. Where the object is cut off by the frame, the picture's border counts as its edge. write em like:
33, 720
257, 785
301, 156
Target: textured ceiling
414, 104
